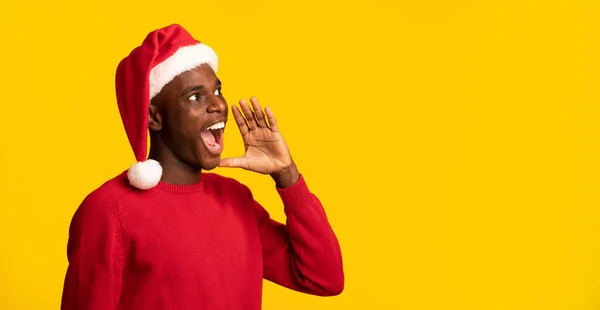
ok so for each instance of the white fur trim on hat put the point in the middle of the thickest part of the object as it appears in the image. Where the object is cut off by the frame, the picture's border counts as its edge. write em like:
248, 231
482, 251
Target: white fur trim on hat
184, 59
145, 174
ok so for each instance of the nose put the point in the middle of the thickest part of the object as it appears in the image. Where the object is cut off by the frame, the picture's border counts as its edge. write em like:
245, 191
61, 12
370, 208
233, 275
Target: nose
217, 104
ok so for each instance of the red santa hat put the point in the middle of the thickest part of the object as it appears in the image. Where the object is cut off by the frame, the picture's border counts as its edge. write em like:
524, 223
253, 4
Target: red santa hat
164, 54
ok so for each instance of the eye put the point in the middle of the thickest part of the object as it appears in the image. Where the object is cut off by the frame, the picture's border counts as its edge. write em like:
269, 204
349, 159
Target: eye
218, 92
195, 97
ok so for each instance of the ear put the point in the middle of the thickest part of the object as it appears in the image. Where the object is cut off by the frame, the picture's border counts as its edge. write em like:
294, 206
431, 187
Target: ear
154, 118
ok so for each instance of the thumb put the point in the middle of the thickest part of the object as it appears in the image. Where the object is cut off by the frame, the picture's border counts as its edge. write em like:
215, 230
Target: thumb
234, 162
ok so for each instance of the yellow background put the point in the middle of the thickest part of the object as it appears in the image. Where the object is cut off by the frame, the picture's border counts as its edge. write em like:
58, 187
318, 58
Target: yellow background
455, 144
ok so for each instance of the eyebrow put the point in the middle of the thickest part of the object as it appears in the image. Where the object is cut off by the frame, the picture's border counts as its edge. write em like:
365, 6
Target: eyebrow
191, 88
198, 87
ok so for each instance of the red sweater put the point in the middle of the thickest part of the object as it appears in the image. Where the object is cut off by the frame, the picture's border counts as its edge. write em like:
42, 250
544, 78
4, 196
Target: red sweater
202, 246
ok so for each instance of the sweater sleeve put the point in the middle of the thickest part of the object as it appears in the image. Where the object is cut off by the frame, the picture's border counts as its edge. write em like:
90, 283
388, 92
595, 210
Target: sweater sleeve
95, 255
304, 254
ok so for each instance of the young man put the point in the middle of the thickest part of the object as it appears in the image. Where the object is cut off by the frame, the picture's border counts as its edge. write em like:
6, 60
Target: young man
166, 235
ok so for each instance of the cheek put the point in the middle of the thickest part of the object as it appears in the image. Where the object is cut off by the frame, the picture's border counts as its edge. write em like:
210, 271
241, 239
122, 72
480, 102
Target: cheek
179, 128
191, 123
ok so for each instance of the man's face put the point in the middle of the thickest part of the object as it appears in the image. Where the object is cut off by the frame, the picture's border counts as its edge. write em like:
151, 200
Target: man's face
189, 114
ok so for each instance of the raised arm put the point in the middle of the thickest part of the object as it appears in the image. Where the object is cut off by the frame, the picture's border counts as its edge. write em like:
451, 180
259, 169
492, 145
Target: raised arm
95, 254
304, 254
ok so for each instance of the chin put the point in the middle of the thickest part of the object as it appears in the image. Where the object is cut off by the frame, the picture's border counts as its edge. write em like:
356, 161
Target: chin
211, 164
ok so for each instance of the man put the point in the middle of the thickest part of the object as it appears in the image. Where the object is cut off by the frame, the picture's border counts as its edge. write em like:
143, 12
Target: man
167, 235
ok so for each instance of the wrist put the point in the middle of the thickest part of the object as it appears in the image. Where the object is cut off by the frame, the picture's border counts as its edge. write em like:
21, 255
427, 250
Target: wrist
286, 177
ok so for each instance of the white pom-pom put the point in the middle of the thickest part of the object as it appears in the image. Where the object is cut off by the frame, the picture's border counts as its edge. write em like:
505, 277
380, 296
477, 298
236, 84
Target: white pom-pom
145, 174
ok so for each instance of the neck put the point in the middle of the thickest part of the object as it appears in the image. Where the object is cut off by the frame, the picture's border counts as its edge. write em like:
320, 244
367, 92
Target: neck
175, 170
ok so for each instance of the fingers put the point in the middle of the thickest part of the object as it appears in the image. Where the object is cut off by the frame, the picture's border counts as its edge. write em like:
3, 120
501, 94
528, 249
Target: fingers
234, 162
240, 121
258, 113
271, 118
252, 124
255, 117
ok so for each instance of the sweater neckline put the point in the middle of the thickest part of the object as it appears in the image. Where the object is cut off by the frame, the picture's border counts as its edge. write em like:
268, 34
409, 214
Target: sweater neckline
180, 188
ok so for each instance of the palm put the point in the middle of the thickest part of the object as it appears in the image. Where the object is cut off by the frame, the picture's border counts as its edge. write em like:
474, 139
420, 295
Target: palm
265, 150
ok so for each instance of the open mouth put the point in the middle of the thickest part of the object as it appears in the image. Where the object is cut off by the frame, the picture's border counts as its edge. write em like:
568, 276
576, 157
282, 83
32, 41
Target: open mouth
213, 137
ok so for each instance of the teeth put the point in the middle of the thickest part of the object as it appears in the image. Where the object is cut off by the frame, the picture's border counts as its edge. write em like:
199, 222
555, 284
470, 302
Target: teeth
218, 125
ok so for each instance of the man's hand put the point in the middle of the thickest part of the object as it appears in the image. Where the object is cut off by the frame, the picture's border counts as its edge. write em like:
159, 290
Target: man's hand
266, 151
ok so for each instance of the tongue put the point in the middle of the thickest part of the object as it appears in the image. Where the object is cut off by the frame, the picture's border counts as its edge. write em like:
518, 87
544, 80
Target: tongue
208, 137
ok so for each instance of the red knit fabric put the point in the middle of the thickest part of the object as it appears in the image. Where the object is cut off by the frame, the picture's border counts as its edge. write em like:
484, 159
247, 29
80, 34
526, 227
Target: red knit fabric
202, 246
